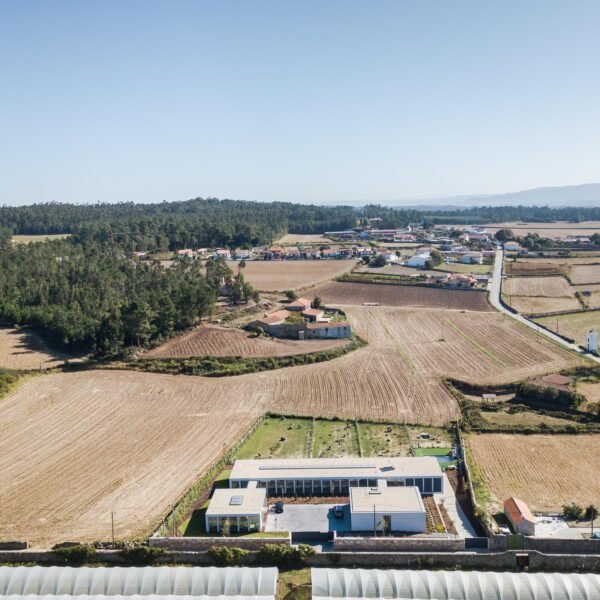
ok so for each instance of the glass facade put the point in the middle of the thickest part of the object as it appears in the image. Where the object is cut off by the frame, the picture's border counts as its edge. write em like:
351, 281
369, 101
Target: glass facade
236, 524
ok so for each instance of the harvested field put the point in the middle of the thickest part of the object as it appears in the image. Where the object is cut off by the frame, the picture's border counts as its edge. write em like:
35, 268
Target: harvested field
546, 471
574, 326
532, 268
396, 270
559, 229
76, 446
529, 305
23, 349
591, 391
281, 275
549, 287
353, 294
593, 299
302, 238
581, 274
222, 341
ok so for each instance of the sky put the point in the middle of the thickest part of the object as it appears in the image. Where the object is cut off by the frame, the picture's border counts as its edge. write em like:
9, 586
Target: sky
305, 101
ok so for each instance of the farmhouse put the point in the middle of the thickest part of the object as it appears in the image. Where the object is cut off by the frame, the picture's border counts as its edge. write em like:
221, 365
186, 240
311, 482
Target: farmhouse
299, 305
313, 314
243, 510
336, 330
292, 253
459, 281
518, 513
387, 509
336, 476
241, 254
186, 253
223, 253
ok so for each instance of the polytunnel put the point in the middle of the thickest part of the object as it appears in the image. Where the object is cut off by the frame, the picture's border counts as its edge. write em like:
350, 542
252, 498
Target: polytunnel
137, 583
452, 585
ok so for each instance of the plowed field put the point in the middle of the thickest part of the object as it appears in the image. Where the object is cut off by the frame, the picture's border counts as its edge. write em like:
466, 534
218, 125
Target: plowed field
281, 275
529, 305
581, 274
551, 287
546, 471
337, 292
221, 341
22, 349
574, 326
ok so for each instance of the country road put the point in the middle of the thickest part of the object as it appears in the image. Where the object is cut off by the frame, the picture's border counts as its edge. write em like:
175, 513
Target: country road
495, 291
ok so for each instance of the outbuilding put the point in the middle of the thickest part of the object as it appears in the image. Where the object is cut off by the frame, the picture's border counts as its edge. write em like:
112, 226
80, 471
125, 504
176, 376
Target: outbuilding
521, 518
387, 509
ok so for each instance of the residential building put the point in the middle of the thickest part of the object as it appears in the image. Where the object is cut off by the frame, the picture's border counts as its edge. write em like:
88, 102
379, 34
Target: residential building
521, 518
332, 330
472, 258
299, 305
241, 254
292, 253
223, 253
186, 253
313, 314
418, 261
243, 511
458, 281
512, 246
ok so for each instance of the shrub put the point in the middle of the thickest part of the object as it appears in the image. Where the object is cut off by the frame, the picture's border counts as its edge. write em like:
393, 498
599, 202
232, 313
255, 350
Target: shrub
572, 512
291, 295
284, 556
141, 555
77, 554
224, 556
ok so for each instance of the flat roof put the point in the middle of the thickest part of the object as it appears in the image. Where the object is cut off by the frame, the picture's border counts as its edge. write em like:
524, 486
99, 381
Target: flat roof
336, 468
386, 499
234, 501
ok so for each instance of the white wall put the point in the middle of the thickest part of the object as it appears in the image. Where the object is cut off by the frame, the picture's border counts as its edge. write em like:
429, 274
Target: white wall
412, 522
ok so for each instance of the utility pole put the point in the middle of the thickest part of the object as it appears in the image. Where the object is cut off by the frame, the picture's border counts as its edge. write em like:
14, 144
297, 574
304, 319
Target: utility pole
112, 525
374, 522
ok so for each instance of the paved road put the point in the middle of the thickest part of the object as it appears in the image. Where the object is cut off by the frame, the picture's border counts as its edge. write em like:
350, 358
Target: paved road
495, 290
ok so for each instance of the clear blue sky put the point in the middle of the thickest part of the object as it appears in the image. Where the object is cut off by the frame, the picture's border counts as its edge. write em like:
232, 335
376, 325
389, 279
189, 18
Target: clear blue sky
310, 101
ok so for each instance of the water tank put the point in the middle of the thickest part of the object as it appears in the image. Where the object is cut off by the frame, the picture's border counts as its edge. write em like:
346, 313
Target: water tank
592, 341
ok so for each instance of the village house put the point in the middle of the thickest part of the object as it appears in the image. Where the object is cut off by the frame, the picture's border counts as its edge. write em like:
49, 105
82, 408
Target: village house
418, 261
334, 330
512, 246
223, 253
472, 258
310, 252
292, 253
276, 252
313, 314
186, 253
271, 323
241, 254
457, 281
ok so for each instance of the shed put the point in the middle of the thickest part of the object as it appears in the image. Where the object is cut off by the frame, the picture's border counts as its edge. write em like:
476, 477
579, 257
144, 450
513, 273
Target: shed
521, 518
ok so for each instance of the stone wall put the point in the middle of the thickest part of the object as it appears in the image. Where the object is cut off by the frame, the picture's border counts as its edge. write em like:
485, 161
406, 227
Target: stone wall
559, 546
14, 545
202, 544
391, 544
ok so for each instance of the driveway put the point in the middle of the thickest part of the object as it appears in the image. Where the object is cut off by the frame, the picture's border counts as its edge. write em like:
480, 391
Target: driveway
307, 517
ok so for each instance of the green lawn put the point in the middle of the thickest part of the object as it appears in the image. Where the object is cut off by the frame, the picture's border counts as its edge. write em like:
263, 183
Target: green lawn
294, 585
432, 451
277, 437
379, 439
461, 268
335, 438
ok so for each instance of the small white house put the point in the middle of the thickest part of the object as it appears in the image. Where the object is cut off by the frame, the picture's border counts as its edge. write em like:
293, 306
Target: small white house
592, 341
418, 260
387, 509
242, 509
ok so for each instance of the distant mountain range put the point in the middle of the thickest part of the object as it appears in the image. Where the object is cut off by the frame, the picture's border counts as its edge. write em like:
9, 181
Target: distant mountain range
587, 195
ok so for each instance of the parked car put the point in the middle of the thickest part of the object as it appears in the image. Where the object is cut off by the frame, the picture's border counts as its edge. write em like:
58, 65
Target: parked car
279, 507
338, 512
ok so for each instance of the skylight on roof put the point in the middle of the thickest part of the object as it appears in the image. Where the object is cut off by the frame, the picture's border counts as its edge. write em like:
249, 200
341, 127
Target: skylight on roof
236, 500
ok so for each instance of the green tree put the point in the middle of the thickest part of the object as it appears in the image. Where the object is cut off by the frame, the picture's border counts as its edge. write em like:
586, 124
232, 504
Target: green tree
436, 257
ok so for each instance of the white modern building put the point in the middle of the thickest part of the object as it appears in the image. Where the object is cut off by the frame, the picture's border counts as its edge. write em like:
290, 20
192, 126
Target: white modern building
398, 509
418, 261
240, 510
335, 476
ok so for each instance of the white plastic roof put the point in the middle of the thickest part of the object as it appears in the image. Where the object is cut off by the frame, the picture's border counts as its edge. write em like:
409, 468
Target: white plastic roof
140, 583
452, 585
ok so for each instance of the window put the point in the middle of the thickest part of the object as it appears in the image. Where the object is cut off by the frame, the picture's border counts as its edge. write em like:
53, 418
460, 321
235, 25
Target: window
437, 485
410, 482
428, 488
419, 484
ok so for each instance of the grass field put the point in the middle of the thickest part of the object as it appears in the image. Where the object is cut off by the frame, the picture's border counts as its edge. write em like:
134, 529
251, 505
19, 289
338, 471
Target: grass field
221, 341
281, 275
23, 349
592, 297
574, 326
529, 305
460, 268
546, 471
302, 238
581, 274
558, 229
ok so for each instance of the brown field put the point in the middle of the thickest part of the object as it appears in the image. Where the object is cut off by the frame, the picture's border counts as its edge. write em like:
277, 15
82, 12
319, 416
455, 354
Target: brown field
221, 341
593, 300
546, 471
76, 446
281, 275
396, 270
550, 287
591, 391
529, 305
553, 230
581, 274
23, 349
534, 267
337, 292
575, 325
28, 239
302, 238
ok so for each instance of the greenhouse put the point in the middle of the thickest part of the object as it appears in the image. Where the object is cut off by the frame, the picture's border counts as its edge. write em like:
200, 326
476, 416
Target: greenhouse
140, 583
452, 585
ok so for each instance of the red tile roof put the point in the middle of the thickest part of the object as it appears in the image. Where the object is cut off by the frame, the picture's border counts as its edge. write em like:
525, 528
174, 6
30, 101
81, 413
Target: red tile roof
516, 510
300, 302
